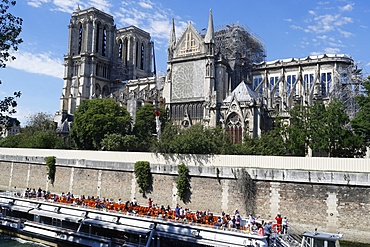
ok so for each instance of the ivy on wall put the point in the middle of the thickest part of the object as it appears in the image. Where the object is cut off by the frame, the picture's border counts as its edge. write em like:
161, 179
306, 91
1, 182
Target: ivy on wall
51, 168
143, 176
183, 183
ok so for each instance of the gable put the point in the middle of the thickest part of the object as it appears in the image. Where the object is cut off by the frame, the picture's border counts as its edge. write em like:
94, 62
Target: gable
191, 43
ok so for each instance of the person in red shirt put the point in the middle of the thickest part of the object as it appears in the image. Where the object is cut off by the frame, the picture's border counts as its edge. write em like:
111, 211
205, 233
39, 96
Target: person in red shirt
279, 221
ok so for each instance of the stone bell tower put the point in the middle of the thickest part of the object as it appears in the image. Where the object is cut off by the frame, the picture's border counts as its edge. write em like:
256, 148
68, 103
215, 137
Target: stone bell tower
100, 59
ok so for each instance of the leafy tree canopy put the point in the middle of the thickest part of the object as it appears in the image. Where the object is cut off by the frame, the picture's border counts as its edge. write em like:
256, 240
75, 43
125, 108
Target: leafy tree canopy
195, 139
145, 126
38, 133
361, 123
10, 28
96, 118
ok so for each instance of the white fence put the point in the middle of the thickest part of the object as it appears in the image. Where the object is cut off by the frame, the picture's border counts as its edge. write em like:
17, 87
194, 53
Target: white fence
361, 165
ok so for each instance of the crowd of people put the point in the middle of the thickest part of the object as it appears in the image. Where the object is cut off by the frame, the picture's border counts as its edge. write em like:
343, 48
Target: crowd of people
179, 214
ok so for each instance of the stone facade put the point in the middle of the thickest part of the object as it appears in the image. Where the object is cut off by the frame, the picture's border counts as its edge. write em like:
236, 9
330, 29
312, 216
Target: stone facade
216, 78
100, 59
329, 204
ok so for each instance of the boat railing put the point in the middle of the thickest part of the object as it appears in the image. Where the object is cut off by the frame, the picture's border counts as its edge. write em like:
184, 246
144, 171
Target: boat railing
293, 236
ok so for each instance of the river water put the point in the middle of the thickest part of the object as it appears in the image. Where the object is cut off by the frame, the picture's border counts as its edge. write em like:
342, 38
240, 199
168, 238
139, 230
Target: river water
17, 242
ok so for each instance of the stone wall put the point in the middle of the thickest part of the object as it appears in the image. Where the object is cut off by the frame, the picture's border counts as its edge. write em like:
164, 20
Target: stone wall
310, 199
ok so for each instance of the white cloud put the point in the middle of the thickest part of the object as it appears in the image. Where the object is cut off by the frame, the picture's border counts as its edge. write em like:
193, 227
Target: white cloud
67, 6
331, 50
38, 63
328, 23
295, 27
153, 18
345, 33
340, 21
103, 5
348, 7
146, 4
37, 3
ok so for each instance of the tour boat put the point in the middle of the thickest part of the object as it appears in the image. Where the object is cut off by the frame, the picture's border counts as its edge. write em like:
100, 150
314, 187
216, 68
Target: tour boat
69, 225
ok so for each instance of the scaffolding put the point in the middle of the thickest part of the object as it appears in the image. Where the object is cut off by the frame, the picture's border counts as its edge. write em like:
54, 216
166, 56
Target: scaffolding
348, 84
237, 45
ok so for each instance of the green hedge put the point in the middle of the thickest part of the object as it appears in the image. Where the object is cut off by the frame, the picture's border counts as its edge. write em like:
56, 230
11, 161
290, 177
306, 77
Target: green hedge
143, 176
51, 168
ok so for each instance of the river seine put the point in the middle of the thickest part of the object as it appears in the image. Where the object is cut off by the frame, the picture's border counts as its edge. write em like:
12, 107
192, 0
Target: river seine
6, 241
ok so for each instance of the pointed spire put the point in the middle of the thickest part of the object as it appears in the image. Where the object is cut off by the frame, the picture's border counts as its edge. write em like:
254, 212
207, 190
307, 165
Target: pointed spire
210, 35
172, 43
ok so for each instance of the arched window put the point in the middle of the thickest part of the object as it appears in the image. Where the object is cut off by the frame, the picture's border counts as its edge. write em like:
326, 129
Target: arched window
125, 56
97, 90
97, 38
104, 45
137, 55
142, 56
234, 128
120, 49
105, 91
80, 31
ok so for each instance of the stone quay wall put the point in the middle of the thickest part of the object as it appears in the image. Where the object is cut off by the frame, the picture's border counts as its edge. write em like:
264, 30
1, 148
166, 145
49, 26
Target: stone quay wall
326, 197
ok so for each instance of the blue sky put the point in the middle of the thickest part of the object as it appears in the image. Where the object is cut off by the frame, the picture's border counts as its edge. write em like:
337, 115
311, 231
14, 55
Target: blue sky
288, 28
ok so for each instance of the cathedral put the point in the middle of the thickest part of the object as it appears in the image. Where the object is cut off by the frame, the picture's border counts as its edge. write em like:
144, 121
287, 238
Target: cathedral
214, 77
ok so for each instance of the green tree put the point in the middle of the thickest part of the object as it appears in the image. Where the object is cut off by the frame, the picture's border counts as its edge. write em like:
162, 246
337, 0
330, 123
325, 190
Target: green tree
145, 126
10, 28
361, 123
183, 183
38, 133
195, 139
270, 143
143, 176
317, 128
119, 142
325, 129
334, 134
41, 121
296, 134
96, 118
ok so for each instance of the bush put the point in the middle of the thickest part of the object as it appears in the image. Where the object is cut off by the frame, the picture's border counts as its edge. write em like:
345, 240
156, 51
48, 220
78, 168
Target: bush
51, 168
183, 183
143, 176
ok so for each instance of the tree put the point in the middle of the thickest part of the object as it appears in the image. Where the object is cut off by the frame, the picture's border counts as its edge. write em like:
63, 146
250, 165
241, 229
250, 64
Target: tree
195, 139
270, 143
143, 176
119, 142
325, 129
10, 28
296, 133
38, 133
41, 121
96, 118
145, 126
361, 123
183, 183
333, 134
